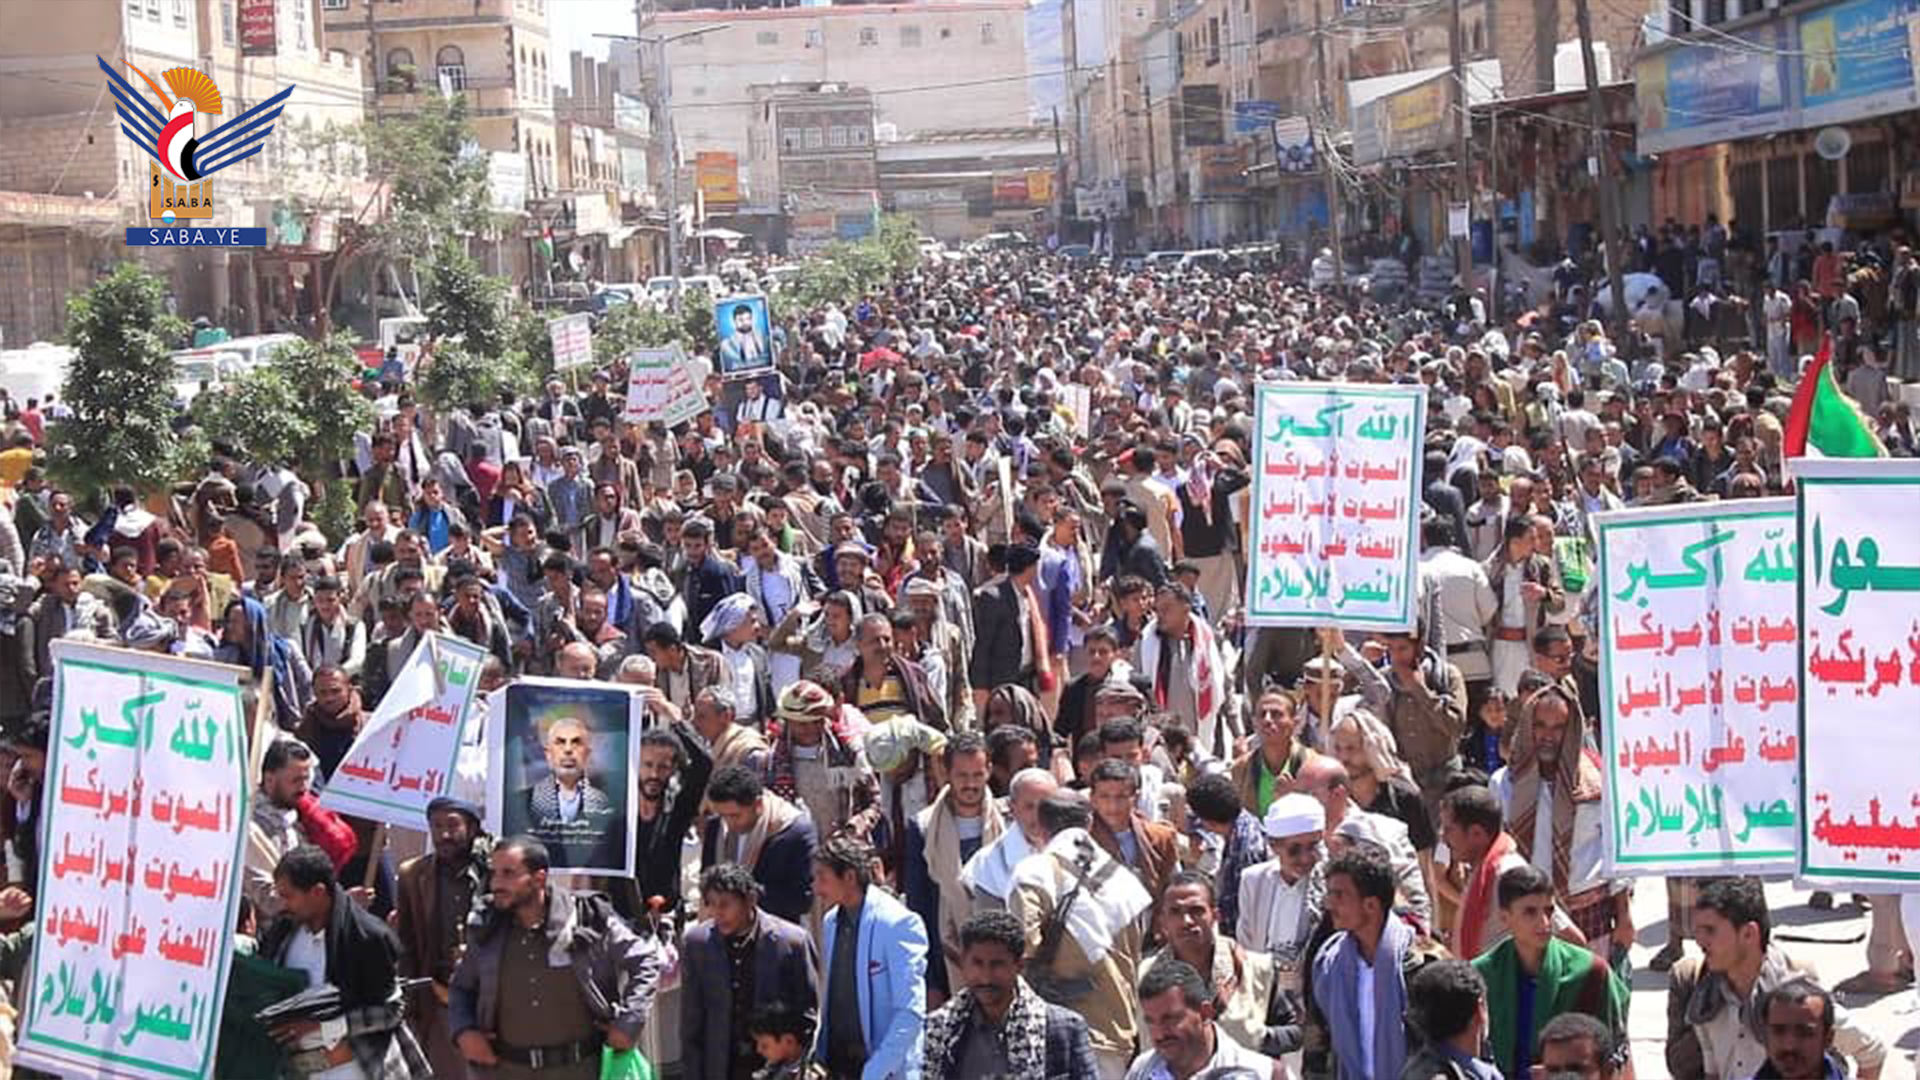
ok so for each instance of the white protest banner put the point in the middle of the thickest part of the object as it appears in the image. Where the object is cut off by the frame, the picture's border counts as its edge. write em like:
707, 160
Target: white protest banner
572, 337
405, 755
661, 388
1078, 398
146, 812
1335, 535
1698, 687
1860, 672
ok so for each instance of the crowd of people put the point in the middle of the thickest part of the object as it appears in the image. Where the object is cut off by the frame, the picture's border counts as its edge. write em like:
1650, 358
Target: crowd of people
959, 759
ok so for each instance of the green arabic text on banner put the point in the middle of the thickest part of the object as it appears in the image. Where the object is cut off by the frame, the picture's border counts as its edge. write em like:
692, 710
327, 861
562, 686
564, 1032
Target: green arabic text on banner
1859, 672
1335, 533
661, 388
1698, 687
146, 811
405, 754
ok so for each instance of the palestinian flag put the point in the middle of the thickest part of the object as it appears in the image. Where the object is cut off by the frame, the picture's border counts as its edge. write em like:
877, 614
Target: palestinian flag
1825, 422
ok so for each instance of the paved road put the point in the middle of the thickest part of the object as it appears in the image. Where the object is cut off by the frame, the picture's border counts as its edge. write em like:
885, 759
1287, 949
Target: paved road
1837, 951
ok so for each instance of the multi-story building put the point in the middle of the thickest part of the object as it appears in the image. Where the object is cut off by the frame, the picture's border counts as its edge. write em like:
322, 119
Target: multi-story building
1736, 105
606, 135
495, 52
496, 55
71, 181
810, 138
929, 66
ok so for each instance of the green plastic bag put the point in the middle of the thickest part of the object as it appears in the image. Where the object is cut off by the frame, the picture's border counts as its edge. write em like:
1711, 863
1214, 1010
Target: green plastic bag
624, 1065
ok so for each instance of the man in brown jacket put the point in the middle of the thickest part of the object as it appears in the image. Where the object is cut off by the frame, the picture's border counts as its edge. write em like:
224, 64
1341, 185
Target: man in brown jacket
437, 891
1267, 770
1147, 848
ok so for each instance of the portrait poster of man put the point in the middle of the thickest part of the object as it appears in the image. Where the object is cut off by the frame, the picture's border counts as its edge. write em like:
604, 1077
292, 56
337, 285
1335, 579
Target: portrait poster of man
745, 333
560, 772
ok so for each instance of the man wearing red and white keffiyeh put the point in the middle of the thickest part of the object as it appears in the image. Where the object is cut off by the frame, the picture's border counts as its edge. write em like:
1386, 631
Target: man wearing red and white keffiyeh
1178, 652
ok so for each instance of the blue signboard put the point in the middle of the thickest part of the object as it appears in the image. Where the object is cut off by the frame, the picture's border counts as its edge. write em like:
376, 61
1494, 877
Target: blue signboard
1840, 63
1250, 117
1854, 61
1697, 94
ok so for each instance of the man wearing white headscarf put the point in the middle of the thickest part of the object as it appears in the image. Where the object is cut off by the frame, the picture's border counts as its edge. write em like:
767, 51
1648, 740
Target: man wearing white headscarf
733, 626
988, 875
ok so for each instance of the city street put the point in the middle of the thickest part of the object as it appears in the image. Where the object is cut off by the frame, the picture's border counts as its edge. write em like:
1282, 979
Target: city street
1833, 943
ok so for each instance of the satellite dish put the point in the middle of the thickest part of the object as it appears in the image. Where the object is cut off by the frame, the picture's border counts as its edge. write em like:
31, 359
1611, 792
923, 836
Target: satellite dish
1833, 143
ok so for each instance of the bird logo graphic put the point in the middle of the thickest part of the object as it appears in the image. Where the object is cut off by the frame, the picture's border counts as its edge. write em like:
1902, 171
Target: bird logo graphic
183, 161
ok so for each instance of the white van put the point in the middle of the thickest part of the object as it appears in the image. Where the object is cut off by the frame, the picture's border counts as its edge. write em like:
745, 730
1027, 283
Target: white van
35, 371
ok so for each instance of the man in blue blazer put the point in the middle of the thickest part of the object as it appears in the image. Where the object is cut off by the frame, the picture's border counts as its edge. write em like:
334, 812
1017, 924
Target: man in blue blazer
874, 1011
738, 942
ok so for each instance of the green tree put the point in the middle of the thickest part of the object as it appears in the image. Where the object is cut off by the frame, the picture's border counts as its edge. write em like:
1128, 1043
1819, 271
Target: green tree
262, 416
462, 302
322, 375
428, 190
455, 377
846, 270
120, 387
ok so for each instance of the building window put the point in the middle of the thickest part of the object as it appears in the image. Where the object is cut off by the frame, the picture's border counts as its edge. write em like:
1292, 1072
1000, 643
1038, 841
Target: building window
399, 63
153, 10
909, 37
180, 14
767, 37
837, 137
986, 33
814, 139
946, 32
451, 65
813, 39
227, 22
333, 5
869, 36
861, 135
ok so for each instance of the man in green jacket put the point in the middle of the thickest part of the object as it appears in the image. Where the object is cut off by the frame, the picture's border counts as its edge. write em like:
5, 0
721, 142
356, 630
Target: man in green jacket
1534, 976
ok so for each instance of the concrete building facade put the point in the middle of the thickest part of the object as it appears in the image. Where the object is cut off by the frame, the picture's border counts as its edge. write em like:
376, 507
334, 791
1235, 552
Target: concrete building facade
71, 181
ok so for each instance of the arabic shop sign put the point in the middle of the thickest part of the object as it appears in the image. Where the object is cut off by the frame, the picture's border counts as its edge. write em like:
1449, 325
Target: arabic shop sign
1336, 499
146, 801
1833, 65
405, 755
1860, 670
1854, 62
1699, 687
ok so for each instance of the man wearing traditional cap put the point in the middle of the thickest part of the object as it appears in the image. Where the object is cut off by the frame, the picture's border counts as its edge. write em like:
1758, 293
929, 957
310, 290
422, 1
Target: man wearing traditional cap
437, 891
815, 764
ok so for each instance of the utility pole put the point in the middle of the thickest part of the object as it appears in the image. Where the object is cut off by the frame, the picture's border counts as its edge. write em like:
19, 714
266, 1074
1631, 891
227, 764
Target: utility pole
1603, 178
1059, 181
1323, 146
1153, 150
1462, 128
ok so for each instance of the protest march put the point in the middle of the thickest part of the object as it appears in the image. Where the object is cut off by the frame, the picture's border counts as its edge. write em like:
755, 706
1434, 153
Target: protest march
1030, 667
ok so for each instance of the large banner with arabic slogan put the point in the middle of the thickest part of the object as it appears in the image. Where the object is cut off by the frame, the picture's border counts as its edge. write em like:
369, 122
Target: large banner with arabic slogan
146, 808
1335, 535
1699, 687
405, 755
1860, 666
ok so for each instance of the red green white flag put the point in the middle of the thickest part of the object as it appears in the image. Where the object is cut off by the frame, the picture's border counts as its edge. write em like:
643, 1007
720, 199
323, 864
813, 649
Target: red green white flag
1824, 422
